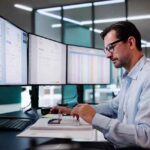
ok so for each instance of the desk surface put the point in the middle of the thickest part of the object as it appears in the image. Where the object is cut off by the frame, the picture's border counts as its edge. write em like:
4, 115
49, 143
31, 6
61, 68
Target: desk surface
9, 140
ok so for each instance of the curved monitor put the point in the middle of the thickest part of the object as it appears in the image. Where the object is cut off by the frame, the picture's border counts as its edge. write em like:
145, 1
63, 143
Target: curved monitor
47, 61
87, 66
13, 54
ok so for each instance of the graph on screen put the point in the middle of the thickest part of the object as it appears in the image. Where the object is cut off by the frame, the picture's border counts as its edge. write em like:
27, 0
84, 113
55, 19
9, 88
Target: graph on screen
47, 61
13, 54
87, 66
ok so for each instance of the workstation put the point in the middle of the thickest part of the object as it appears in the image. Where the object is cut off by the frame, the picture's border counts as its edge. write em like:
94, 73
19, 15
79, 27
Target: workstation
52, 55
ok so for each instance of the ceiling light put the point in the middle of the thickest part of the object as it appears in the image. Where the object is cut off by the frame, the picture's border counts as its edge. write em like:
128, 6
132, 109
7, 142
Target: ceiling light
56, 25
139, 17
23, 7
109, 20
50, 9
146, 45
144, 42
77, 6
108, 2
86, 22
96, 30
72, 21
49, 14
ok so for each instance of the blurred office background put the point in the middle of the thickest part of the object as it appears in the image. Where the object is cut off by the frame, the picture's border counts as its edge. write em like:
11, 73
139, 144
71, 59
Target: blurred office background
77, 22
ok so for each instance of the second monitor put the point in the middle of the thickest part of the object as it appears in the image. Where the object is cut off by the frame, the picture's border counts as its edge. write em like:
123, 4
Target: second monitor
47, 61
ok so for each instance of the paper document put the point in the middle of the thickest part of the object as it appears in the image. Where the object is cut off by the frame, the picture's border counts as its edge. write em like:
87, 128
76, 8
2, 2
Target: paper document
67, 123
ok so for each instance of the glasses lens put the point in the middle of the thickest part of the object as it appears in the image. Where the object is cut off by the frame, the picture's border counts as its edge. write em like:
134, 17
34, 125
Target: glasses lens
111, 46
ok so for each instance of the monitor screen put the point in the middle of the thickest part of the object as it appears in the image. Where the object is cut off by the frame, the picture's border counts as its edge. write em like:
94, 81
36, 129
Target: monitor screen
49, 96
87, 66
47, 61
13, 54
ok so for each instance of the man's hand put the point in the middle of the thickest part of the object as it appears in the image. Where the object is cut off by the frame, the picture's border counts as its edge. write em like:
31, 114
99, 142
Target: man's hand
85, 111
60, 109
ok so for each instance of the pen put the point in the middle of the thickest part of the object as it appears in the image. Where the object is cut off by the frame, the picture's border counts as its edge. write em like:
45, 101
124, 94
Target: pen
77, 120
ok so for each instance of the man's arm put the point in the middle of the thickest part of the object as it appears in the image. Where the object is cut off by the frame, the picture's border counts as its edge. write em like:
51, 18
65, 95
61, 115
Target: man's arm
109, 109
121, 134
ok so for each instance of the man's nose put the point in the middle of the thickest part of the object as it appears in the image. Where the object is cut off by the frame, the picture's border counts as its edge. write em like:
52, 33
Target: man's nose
109, 55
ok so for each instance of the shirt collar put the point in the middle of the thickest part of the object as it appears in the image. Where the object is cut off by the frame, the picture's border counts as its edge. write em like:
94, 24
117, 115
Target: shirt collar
133, 74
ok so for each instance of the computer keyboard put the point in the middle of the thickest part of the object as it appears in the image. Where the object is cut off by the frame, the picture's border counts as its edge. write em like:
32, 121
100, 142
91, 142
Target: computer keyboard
14, 124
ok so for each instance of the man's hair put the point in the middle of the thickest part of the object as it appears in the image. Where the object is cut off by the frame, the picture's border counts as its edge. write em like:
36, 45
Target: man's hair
124, 29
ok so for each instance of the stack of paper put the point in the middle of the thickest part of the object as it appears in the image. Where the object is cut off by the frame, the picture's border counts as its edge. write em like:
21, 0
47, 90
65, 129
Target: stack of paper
67, 123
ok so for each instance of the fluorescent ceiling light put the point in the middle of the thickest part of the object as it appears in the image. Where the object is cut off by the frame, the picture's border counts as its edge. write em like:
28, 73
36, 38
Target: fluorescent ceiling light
77, 6
58, 17
96, 30
56, 25
50, 9
121, 19
146, 45
109, 20
144, 42
108, 2
49, 14
86, 22
72, 21
139, 17
23, 7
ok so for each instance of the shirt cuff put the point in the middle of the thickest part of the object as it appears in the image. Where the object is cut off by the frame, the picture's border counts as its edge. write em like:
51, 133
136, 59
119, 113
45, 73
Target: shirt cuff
100, 121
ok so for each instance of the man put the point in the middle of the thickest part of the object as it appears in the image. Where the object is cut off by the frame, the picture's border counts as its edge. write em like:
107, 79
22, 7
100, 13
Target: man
125, 120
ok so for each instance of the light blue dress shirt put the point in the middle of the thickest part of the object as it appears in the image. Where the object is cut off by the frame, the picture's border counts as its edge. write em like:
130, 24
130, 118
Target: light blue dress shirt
125, 120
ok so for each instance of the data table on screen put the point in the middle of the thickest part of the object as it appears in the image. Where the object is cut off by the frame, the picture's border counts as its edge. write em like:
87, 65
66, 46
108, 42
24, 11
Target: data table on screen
87, 66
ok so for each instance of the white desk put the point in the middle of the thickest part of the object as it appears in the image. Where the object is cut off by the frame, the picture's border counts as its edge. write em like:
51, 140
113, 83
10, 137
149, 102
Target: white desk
84, 132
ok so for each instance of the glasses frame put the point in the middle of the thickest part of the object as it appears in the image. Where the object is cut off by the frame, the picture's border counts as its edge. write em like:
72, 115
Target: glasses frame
110, 47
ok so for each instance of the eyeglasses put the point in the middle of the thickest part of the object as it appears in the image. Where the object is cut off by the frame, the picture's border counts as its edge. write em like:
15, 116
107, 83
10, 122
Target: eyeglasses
111, 46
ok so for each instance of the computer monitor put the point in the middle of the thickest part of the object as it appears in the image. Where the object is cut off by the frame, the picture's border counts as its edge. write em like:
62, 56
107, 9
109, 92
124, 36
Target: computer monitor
49, 96
87, 66
47, 61
13, 54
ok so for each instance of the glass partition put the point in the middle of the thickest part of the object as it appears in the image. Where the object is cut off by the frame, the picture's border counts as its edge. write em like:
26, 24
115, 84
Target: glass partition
105, 15
73, 25
48, 23
78, 24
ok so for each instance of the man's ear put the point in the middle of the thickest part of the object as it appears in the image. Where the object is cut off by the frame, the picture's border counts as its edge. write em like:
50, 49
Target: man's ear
132, 42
